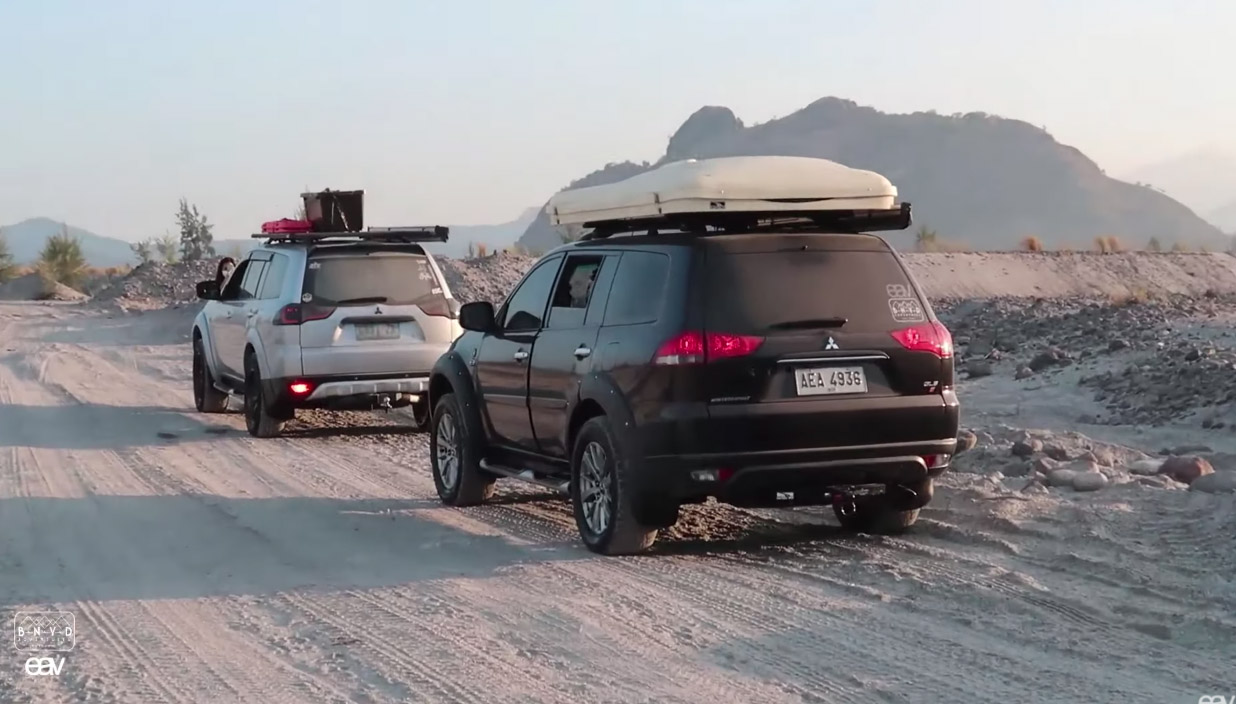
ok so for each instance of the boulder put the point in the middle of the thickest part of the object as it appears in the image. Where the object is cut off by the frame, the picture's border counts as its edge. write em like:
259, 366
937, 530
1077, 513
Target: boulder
1061, 477
1026, 448
1145, 467
1215, 483
1089, 481
1186, 469
966, 441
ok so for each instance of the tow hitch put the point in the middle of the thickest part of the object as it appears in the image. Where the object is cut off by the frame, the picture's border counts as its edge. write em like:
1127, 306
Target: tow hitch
844, 503
384, 402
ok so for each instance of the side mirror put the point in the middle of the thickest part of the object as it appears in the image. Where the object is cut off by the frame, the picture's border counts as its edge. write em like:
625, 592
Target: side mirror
208, 290
477, 316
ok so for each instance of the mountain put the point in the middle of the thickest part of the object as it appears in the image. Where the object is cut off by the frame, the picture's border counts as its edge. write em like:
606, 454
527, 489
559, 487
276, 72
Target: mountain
1204, 180
1224, 217
26, 240
979, 179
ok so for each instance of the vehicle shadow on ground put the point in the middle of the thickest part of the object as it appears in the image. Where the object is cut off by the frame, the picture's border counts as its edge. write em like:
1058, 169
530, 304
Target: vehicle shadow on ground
90, 426
293, 430
762, 538
102, 547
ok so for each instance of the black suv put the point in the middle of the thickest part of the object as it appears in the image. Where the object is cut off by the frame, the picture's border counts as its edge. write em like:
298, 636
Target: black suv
645, 372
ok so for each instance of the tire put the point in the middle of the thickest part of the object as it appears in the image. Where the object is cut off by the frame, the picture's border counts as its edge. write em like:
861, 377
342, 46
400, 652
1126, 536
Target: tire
455, 457
421, 415
604, 497
876, 515
206, 397
261, 419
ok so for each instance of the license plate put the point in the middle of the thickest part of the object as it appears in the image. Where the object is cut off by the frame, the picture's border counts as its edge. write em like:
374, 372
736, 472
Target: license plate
377, 331
826, 381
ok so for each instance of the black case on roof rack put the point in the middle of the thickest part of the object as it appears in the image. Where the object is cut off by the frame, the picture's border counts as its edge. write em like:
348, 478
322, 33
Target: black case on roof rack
335, 211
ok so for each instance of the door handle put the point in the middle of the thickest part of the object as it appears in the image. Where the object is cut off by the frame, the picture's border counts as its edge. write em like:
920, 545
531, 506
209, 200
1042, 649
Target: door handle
521, 355
252, 313
582, 352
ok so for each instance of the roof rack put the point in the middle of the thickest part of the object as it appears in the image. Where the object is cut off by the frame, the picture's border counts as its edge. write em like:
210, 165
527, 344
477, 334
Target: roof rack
435, 233
835, 221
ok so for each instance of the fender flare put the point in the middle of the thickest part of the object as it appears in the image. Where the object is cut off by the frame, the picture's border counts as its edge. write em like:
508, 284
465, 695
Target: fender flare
201, 326
600, 390
450, 374
259, 351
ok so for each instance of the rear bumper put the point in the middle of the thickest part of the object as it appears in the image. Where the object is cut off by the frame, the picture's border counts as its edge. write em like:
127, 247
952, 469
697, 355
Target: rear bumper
751, 478
348, 392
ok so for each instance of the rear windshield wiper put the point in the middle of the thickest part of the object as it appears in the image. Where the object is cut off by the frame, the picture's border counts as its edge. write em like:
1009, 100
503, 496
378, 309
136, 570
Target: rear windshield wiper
811, 324
362, 300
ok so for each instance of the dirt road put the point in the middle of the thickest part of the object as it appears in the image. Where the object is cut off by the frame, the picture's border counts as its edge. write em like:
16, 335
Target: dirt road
203, 565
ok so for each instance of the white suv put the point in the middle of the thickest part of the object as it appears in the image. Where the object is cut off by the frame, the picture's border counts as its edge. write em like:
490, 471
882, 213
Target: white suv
343, 321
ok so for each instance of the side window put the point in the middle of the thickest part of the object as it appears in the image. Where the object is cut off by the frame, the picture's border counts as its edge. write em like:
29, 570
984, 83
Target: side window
575, 285
276, 270
231, 290
251, 279
526, 306
638, 290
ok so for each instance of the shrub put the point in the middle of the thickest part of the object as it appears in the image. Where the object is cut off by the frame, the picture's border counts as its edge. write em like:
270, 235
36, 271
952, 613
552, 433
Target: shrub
1032, 244
62, 260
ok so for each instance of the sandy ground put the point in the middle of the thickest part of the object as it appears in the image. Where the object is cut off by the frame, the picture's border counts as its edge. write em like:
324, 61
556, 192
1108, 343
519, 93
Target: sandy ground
204, 565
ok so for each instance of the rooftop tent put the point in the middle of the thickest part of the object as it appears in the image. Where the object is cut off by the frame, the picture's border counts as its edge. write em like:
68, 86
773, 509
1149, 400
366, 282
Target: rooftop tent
771, 186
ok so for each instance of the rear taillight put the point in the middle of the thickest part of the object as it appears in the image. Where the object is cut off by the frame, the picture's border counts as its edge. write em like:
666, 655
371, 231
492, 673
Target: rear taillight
694, 347
297, 313
300, 388
440, 307
930, 337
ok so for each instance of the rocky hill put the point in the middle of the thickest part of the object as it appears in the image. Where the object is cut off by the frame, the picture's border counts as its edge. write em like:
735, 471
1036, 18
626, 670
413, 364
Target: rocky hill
26, 240
978, 179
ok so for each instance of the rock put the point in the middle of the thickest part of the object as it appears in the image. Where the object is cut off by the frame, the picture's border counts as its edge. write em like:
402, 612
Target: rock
1023, 372
1148, 467
1186, 468
1061, 477
1043, 360
1057, 452
1089, 481
966, 441
1044, 465
1018, 468
1117, 345
1193, 355
1188, 449
979, 368
1100, 456
1215, 483
1026, 448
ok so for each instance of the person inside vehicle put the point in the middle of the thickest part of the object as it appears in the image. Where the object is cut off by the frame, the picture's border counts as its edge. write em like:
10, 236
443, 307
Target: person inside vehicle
227, 265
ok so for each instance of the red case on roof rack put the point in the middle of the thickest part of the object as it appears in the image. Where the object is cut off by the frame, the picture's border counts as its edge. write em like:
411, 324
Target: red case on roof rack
287, 226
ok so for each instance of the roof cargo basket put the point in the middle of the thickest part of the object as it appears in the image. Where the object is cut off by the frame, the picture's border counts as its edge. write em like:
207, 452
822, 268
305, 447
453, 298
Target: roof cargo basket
335, 211
736, 194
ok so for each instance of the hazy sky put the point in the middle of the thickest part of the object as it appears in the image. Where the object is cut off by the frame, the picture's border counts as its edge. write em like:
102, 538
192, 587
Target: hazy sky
469, 111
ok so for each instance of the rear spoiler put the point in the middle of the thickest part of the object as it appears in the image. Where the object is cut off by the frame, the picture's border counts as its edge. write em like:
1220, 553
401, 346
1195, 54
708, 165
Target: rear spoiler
398, 235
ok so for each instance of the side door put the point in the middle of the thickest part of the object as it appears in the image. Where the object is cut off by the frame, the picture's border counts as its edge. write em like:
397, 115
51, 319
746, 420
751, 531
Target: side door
280, 343
563, 354
238, 309
502, 361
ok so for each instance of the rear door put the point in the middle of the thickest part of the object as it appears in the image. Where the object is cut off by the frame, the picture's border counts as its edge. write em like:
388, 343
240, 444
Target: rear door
372, 310
565, 348
818, 341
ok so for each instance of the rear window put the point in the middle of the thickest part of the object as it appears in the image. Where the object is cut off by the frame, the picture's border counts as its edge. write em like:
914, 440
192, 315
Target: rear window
758, 291
395, 279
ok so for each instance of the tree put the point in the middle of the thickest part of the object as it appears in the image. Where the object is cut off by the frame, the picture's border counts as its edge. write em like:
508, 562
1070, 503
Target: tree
7, 267
167, 248
62, 259
144, 251
1154, 245
196, 240
925, 239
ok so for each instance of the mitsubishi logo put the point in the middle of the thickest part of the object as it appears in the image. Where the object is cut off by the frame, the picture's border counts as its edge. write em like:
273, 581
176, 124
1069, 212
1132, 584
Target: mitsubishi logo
832, 344
377, 311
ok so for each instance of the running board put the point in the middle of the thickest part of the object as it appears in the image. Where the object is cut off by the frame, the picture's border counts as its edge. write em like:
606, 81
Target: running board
525, 475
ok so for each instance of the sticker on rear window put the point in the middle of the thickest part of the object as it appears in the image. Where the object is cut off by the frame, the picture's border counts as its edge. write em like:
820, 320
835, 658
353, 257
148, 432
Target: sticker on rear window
898, 291
315, 265
906, 310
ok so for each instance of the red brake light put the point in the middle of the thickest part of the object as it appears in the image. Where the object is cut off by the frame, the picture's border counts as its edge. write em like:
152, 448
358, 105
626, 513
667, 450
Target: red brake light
297, 313
694, 347
438, 307
300, 388
930, 337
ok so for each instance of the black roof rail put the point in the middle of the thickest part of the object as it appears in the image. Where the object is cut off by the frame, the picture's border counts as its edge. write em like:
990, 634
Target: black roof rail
400, 235
738, 222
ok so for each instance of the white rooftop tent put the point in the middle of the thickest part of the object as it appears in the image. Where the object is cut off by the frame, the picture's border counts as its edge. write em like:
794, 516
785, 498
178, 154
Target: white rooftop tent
741, 184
